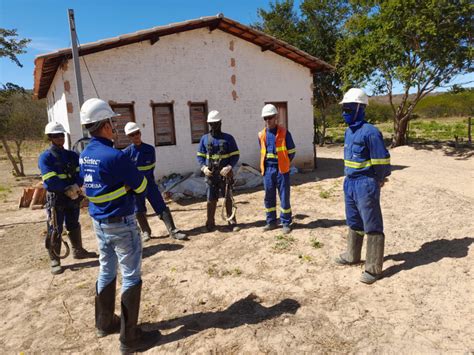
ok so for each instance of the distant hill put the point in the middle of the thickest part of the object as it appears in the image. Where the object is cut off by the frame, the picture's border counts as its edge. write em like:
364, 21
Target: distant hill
383, 99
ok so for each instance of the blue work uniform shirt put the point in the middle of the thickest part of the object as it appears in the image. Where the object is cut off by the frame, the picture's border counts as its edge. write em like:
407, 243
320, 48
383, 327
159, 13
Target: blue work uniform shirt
144, 158
228, 155
106, 172
56, 165
365, 153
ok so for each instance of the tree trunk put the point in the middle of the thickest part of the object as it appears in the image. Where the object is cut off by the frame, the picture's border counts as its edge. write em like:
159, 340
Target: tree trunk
323, 132
400, 129
20, 159
323, 123
17, 171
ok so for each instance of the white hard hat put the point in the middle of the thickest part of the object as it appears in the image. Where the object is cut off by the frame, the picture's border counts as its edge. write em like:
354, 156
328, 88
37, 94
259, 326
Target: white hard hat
213, 116
355, 96
96, 110
131, 127
54, 127
269, 110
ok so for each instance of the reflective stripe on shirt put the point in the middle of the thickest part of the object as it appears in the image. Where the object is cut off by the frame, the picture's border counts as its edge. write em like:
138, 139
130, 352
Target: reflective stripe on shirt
146, 167
218, 156
109, 196
142, 186
53, 173
117, 193
360, 165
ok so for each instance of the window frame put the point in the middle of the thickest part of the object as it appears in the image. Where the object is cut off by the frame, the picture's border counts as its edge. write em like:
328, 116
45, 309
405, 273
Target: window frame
130, 105
206, 111
173, 123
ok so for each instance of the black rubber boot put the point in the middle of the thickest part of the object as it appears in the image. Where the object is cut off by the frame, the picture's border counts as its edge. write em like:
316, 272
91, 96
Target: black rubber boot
211, 211
174, 232
56, 267
132, 338
106, 321
354, 247
78, 252
374, 259
269, 227
144, 226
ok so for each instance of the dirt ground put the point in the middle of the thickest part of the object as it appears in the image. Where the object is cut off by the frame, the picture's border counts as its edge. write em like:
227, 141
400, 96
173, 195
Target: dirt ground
255, 292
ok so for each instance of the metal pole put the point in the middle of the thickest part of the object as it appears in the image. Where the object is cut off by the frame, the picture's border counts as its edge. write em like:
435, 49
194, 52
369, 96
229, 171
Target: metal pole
75, 58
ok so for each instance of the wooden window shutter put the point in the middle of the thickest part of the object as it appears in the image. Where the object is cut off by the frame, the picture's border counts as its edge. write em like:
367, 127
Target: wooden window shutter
163, 124
198, 116
126, 115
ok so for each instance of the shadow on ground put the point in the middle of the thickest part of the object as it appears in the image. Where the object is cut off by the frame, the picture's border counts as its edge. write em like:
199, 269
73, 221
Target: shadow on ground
245, 311
430, 252
147, 252
450, 149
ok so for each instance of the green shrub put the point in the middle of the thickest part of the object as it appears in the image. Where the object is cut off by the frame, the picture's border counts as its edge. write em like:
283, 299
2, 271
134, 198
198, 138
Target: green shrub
377, 112
447, 104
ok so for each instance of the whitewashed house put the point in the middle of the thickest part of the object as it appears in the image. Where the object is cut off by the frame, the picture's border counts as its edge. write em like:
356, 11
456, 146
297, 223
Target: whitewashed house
167, 78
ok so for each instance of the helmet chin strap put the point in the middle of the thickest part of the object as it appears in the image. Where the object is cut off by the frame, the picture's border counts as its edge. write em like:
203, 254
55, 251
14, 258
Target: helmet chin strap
114, 130
356, 113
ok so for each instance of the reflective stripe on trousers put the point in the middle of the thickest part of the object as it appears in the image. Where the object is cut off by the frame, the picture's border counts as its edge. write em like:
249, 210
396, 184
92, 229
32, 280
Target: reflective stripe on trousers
273, 180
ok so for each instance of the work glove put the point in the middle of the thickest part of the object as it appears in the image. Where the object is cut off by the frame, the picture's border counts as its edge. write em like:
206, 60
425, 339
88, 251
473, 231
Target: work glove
73, 191
225, 170
206, 171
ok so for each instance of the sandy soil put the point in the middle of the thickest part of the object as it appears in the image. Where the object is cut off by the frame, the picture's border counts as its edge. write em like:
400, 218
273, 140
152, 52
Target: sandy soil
254, 292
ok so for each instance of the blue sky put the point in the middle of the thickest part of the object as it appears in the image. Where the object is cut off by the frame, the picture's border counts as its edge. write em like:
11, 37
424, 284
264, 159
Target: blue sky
45, 22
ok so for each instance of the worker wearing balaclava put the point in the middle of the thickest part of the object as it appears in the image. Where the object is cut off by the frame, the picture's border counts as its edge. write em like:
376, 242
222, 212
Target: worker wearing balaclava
366, 167
217, 155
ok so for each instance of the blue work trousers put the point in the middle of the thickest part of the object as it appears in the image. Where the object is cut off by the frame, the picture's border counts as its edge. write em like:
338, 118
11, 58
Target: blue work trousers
153, 195
273, 180
119, 243
65, 215
362, 199
216, 187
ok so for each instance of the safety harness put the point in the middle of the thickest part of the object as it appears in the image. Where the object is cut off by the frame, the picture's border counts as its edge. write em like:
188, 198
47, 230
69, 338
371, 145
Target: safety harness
214, 165
53, 237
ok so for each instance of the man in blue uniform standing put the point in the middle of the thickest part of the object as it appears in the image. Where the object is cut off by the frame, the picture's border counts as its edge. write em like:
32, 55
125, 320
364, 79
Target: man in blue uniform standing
144, 157
60, 172
366, 166
217, 155
277, 150
110, 180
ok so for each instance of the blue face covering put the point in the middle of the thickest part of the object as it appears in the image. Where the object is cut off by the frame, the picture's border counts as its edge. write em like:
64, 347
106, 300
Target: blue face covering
352, 114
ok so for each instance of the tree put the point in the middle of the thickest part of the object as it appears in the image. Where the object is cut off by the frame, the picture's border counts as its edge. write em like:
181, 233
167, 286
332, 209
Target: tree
21, 118
420, 44
316, 31
11, 47
323, 25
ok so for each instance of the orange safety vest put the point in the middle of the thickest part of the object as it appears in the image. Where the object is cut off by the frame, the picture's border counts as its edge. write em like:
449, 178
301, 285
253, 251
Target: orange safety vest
282, 151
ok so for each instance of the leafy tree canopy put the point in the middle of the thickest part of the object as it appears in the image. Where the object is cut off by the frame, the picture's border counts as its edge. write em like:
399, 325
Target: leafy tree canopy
10, 46
421, 44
